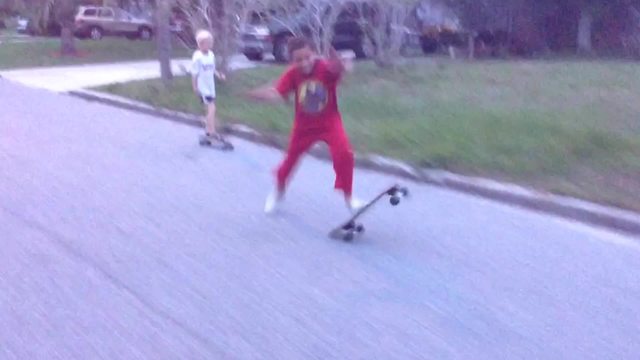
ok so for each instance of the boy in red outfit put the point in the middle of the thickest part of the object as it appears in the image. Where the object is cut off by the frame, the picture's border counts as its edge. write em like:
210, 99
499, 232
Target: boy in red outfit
314, 82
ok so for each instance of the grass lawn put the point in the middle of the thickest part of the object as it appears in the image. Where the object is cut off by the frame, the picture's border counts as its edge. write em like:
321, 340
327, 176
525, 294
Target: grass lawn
7, 33
38, 52
568, 127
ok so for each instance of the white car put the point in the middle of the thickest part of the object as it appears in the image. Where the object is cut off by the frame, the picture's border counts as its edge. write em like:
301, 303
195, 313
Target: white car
23, 24
255, 41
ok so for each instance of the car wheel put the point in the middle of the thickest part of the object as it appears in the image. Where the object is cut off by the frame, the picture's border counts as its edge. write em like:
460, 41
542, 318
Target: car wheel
95, 33
145, 34
429, 45
254, 56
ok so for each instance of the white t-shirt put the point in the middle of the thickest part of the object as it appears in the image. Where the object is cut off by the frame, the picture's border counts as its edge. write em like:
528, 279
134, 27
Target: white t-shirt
203, 67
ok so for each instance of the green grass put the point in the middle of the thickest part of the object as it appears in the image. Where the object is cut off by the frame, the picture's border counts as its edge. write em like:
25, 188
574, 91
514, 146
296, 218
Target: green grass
44, 52
7, 33
568, 127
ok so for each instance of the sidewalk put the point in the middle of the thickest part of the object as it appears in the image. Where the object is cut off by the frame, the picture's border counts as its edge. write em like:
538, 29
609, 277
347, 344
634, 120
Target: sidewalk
77, 77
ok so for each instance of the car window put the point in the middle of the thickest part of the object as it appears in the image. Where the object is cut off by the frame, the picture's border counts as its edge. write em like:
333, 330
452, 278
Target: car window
122, 15
91, 12
106, 13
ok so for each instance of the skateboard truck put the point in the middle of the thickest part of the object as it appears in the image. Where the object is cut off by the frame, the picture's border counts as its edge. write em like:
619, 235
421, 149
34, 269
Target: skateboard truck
348, 230
396, 194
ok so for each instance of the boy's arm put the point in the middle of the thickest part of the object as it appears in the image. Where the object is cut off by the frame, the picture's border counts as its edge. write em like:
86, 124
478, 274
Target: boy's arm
268, 93
195, 69
194, 83
275, 93
220, 75
335, 64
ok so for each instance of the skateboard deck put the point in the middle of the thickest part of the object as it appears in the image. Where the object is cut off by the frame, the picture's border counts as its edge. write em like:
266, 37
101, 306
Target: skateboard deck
221, 143
350, 228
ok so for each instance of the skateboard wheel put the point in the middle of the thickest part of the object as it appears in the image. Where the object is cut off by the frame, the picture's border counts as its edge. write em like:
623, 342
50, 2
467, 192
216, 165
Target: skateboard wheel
348, 236
395, 200
349, 226
360, 228
404, 191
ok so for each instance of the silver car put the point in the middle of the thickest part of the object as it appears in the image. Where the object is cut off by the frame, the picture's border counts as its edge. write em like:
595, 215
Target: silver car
98, 21
256, 41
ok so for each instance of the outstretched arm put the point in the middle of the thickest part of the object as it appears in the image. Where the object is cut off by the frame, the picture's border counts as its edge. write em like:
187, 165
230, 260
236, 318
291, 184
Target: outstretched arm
335, 61
267, 93
275, 93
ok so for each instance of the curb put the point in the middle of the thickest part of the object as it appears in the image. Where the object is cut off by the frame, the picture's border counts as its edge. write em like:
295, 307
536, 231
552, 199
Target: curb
570, 208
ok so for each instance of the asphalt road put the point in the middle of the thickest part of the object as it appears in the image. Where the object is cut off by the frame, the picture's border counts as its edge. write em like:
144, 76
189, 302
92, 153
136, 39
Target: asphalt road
122, 239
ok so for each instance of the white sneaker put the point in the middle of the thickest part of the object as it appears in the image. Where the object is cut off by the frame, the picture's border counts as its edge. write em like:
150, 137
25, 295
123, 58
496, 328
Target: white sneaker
355, 204
273, 201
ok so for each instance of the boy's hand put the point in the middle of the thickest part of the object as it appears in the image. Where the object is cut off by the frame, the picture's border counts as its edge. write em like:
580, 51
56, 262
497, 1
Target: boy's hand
221, 76
335, 61
333, 54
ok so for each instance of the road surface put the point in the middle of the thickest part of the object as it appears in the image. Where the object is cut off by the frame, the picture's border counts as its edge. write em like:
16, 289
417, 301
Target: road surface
122, 239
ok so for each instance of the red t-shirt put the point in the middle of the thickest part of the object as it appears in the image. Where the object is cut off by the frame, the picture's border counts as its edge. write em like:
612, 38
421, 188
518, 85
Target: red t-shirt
315, 95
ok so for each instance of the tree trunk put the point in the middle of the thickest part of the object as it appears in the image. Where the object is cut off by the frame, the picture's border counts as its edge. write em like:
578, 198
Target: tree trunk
452, 52
472, 46
164, 41
223, 31
67, 41
584, 32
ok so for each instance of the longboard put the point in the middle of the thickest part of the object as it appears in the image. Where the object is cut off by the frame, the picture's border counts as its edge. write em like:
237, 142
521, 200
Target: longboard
220, 143
350, 228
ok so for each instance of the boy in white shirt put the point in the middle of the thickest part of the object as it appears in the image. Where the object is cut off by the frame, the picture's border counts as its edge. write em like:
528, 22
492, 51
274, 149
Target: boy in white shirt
203, 72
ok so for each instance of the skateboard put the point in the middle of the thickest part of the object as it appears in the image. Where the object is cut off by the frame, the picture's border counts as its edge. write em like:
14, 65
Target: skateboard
221, 143
350, 228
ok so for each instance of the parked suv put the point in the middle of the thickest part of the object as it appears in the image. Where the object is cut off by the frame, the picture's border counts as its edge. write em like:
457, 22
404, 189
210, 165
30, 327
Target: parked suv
98, 21
256, 40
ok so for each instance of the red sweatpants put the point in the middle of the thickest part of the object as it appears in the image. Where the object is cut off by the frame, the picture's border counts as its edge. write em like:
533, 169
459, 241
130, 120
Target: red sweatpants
341, 153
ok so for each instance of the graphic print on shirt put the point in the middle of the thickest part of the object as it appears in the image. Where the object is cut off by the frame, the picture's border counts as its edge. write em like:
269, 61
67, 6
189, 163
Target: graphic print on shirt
312, 96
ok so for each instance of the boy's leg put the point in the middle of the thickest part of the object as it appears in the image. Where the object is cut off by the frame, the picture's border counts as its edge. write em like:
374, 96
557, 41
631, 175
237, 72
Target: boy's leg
298, 145
343, 160
210, 123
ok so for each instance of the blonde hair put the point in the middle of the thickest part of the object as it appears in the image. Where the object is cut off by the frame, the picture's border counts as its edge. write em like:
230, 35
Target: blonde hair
203, 35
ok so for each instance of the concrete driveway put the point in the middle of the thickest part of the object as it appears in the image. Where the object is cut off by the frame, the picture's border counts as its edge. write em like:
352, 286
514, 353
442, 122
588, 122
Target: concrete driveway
68, 78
